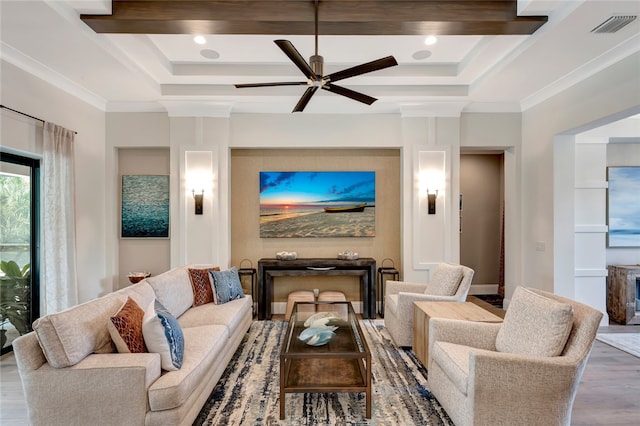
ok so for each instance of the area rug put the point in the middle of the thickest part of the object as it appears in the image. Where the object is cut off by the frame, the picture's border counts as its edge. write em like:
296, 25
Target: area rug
248, 392
627, 342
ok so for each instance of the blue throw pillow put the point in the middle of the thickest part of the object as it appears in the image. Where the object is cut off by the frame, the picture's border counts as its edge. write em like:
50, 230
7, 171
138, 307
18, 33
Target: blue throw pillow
226, 286
163, 334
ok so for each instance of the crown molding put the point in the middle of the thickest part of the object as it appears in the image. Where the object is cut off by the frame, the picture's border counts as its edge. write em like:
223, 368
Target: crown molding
31, 66
181, 108
618, 53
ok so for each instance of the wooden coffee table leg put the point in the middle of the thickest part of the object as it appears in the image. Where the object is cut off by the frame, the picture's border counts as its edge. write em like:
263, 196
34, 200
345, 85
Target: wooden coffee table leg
282, 405
369, 386
282, 381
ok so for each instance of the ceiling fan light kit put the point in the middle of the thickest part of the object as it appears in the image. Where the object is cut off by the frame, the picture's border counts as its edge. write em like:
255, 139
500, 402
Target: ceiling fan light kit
314, 71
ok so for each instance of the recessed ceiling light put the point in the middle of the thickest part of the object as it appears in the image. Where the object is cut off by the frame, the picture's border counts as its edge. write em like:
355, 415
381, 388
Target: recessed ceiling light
200, 39
209, 54
421, 54
430, 40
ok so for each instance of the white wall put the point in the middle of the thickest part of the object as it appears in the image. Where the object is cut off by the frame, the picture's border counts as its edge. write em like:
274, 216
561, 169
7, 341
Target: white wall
26, 93
549, 131
529, 171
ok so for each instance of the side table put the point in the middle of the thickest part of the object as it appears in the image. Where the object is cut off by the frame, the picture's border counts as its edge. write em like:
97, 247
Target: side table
424, 311
385, 271
253, 273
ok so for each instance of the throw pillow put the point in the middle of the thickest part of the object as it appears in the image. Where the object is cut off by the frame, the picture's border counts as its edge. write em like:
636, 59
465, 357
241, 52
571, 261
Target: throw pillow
163, 335
445, 280
226, 286
535, 325
201, 284
125, 328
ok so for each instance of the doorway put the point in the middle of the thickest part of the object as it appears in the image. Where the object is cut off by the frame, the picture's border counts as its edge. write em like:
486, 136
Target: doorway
19, 243
482, 219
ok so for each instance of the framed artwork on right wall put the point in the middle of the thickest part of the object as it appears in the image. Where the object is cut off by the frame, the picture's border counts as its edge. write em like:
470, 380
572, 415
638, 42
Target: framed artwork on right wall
623, 206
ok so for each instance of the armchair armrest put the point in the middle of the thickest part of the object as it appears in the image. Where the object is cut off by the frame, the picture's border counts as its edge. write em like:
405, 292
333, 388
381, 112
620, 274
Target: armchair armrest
395, 287
508, 382
481, 335
405, 300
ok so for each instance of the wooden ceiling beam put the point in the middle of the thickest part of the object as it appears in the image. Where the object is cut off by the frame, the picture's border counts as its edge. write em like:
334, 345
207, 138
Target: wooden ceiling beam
336, 17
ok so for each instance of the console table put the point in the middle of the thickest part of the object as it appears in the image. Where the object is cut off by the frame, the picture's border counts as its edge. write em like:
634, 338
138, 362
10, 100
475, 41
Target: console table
365, 268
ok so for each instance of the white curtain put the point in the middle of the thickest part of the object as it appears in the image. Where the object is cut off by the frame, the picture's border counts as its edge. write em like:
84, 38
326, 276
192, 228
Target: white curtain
59, 237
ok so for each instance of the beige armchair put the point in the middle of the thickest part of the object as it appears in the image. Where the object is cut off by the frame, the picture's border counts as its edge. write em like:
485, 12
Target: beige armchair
450, 283
525, 371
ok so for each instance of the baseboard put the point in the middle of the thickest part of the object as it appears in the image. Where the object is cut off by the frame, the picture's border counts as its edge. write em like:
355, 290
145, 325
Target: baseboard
280, 308
483, 289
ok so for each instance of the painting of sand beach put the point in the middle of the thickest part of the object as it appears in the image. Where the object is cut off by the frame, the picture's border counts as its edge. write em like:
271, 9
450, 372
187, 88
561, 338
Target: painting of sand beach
317, 204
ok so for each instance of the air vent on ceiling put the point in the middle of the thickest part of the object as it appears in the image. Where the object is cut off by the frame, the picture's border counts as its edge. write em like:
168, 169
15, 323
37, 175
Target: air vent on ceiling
613, 24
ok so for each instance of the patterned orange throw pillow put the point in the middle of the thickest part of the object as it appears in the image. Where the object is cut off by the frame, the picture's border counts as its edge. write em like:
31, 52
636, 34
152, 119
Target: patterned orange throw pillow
125, 328
201, 284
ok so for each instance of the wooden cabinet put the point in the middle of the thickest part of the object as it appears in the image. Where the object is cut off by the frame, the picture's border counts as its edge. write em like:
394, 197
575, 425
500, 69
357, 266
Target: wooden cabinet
623, 304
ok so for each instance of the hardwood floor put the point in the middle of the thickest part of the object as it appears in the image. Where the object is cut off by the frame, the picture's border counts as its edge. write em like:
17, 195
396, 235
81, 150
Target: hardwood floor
608, 393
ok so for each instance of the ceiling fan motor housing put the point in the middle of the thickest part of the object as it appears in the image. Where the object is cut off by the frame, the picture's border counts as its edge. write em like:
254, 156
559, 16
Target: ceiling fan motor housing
316, 62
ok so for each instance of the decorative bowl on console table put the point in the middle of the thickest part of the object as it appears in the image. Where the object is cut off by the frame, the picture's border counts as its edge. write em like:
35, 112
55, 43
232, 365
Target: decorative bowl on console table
286, 255
136, 277
348, 255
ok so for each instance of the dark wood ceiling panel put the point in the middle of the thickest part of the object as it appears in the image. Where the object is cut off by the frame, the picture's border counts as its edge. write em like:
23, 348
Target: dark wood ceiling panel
336, 17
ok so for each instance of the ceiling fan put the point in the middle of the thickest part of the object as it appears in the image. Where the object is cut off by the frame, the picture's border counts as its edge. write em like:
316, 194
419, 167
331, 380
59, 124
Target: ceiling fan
315, 76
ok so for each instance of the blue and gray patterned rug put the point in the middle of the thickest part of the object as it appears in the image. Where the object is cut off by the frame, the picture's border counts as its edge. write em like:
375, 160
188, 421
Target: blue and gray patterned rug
248, 392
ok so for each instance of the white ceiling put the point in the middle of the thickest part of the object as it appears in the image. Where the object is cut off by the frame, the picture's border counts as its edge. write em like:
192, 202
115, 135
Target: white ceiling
118, 72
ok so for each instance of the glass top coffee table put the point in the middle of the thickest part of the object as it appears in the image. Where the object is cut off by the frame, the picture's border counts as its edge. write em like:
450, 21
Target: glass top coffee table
341, 365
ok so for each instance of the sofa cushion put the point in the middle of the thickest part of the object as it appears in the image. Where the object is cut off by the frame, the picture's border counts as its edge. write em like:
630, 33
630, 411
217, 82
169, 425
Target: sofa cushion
535, 325
141, 292
125, 328
68, 336
445, 280
163, 335
226, 286
453, 359
173, 290
230, 314
201, 285
203, 346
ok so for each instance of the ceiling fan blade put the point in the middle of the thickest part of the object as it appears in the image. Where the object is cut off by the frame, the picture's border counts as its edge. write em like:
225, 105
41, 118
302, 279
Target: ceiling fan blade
376, 65
284, 83
357, 96
295, 56
304, 100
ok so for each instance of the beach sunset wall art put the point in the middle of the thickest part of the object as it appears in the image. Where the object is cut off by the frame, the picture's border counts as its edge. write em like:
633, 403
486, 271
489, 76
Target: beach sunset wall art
317, 204
145, 206
623, 206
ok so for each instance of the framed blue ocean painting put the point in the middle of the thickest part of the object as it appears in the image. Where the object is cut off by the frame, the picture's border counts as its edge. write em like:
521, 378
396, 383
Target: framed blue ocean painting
145, 206
317, 204
623, 207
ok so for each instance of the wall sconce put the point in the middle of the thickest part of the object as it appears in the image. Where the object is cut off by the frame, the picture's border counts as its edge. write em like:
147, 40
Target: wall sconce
432, 181
431, 201
198, 200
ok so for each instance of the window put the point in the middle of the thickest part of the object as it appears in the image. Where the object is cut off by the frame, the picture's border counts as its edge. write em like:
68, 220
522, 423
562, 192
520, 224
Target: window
19, 246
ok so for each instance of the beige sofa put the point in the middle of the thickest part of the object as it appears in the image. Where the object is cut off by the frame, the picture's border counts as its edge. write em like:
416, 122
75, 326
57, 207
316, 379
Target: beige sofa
102, 387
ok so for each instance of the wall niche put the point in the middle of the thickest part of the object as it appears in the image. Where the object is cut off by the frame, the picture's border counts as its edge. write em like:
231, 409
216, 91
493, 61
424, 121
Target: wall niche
246, 164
